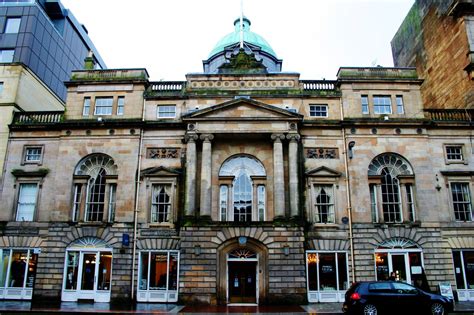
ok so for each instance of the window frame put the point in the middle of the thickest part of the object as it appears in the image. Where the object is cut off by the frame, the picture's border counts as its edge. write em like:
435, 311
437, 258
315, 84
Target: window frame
315, 109
86, 106
376, 107
102, 107
171, 181
120, 105
365, 105
158, 113
16, 28
25, 154
461, 146
400, 105
322, 180
330, 215
18, 185
451, 199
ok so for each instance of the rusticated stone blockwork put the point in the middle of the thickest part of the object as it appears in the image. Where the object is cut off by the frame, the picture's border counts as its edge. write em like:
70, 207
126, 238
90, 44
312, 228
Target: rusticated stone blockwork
281, 268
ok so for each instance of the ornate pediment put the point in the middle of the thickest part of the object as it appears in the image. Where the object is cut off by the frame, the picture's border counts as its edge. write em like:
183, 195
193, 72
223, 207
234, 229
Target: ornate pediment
323, 171
242, 109
242, 63
159, 171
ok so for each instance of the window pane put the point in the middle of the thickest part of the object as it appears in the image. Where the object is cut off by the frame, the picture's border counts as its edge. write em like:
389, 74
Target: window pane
365, 104
103, 105
6, 55
158, 271
312, 260
410, 203
33, 154
468, 257
104, 271
373, 203
77, 202
86, 107
120, 105
318, 110
327, 272
400, 106
31, 273
72, 266
161, 203
95, 205
223, 202
381, 264
243, 198
88, 271
382, 105
143, 280
342, 271
261, 202
112, 193
454, 153
12, 25
390, 197
166, 111
324, 204
4, 266
18, 268
173, 272
458, 270
461, 196
26, 202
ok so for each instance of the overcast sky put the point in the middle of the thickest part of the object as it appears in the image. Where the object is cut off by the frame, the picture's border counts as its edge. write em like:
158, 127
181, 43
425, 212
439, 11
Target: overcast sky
171, 37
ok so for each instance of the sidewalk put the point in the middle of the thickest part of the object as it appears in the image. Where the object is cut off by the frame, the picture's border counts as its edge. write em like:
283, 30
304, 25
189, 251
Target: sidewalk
44, 307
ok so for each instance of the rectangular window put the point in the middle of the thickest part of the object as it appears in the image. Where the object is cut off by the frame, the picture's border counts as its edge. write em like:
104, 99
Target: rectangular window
103, 105
26, 202
318, 110
112, 192
6, 55
166, 111
1, 87
158, 276
76, 207
454, 153
86, 107
365, 104
462, 204
261, 202
324, 204
12, 25
120, 105
160, 203
223, 201
382, 104
400, 106
373, 203
410, 202
18, 268
33, 154
463, 268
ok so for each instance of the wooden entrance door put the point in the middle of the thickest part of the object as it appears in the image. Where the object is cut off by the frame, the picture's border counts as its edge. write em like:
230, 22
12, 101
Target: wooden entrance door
242, 282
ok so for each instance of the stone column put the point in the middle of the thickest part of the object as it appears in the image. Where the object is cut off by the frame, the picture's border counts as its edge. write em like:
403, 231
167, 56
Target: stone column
191, 160
278, 176
206, 174
293, 173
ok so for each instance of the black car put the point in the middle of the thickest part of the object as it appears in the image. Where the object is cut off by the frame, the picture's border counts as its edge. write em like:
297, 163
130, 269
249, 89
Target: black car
382, 297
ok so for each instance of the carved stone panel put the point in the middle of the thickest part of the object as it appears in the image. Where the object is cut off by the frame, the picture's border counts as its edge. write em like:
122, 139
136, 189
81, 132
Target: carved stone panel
163, 153
322, 153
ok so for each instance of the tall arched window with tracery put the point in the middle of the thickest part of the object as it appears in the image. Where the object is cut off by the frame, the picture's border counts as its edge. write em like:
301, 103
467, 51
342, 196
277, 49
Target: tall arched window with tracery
95, 186
242, 196
391, 184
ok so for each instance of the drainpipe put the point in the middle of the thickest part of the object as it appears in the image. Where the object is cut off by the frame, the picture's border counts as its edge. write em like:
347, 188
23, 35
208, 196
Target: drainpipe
137, 194
348, 190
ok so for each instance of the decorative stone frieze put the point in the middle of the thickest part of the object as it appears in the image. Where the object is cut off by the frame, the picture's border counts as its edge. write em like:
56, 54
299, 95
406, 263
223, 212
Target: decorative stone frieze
163, 153
322, 153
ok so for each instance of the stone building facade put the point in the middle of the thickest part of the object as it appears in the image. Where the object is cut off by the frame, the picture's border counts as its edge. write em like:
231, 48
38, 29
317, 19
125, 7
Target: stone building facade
239, 186
437, 37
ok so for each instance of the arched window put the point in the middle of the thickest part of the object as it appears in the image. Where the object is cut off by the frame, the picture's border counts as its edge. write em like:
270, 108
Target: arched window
95, 187
391, 182
242, 186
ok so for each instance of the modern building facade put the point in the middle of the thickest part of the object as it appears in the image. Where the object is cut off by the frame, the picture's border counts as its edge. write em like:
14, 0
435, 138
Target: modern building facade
437, 37
240, 185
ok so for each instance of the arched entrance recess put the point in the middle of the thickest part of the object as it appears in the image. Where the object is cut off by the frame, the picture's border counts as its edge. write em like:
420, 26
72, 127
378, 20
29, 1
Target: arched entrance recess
242, 271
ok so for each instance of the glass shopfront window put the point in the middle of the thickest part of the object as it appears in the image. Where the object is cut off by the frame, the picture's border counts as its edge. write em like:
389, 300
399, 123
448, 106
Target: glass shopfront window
464, 269
17, 270
158, 276
327, 272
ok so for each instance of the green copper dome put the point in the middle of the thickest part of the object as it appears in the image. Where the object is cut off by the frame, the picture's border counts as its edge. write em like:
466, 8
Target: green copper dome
249, 37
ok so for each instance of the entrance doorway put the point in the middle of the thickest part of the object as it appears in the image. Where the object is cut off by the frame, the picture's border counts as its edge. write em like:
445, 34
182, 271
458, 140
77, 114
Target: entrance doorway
87, 274
407, 266
242, 279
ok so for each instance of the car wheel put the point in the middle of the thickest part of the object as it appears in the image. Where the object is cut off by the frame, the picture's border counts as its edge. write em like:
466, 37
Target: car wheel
370, 309
437, 309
